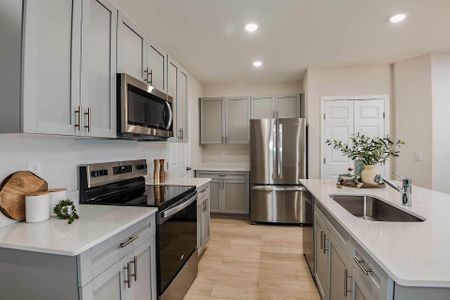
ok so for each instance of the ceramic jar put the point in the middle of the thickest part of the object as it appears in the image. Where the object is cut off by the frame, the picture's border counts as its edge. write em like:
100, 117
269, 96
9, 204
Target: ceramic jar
368, 174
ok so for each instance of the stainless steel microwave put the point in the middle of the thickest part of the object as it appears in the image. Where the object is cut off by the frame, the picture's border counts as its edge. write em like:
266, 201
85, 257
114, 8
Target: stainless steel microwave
143, 112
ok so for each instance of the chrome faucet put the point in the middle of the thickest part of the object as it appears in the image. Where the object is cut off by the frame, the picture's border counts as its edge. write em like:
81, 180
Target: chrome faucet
405, 189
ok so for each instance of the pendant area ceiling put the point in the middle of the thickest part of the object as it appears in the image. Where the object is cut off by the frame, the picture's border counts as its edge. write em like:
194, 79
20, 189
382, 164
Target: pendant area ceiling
208, 36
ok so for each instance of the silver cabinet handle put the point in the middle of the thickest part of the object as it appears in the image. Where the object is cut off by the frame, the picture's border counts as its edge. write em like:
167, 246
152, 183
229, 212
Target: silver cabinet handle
280, 147
146, 71
151, 77
321, 240
346, 277
278, 188
325, 249
88, 114
360, 264
129, 241
78, 118
226, 140
134, 262
128, 280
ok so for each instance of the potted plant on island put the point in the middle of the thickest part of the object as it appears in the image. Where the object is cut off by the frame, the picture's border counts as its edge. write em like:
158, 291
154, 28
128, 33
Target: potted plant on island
368, 152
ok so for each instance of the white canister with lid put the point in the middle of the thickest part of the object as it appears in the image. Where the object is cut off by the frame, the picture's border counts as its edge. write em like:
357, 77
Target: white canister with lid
37, 207
56, 195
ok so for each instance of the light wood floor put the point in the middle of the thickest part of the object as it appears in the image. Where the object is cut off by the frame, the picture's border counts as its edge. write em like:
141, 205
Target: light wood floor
253, 262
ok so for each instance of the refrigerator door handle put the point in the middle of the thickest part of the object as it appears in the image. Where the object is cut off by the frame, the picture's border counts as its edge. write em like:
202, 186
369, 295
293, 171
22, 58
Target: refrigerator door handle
274, 150
268, 188
280, 148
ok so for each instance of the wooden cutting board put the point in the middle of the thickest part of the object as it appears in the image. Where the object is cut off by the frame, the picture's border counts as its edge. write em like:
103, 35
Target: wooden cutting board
13, 190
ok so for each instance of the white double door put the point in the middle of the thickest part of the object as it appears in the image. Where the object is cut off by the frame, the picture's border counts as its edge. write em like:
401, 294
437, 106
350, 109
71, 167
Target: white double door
342, 119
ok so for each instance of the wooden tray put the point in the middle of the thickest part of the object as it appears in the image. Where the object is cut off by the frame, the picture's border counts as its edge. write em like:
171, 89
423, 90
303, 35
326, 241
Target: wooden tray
363, 186
13, 190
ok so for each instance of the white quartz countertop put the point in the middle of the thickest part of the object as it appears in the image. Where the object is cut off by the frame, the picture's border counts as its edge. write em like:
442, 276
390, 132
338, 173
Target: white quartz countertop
412, 253
197, 182
97, 223
243, 167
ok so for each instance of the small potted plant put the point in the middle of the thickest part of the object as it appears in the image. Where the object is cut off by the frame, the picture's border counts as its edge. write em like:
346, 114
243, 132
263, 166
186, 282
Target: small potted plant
65, 210
368, 151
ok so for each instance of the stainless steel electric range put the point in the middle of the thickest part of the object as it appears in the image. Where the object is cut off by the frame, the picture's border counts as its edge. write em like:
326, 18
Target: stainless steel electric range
123, 183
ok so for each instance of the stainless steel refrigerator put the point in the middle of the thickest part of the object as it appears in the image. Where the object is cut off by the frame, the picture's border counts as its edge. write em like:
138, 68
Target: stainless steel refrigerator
278, 161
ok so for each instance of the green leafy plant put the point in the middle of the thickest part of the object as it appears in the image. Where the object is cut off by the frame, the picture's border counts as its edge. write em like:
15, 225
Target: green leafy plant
65, 210
370, 151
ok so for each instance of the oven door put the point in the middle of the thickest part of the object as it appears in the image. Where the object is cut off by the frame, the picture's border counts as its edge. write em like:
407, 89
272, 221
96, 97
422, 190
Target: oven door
145, 112
177, 238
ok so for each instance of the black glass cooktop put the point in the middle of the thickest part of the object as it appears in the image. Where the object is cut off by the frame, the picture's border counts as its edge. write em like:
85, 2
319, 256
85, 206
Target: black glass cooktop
134, 192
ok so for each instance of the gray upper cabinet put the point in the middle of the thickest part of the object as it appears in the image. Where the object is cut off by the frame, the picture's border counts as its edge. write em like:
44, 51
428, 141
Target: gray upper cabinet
288, 106
211, 121
98, 68
237, 124
276, 107
155, 73
131, 56
263, 107
51, 59
225, 120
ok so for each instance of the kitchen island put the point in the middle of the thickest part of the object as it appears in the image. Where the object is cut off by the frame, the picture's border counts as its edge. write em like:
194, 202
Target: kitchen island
413, 256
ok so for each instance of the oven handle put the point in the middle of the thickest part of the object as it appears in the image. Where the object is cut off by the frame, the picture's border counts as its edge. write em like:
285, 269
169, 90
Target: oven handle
169, 123
170, 212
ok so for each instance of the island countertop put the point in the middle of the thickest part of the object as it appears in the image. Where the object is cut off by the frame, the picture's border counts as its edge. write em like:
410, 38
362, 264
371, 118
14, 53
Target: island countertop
97, 223
411, 253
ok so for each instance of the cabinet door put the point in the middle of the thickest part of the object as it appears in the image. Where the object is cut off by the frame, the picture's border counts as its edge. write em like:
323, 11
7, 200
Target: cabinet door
236, 198
131, 48
156, 62
199, 226
143, 268
237, 121
211, 121
206, 216
262, 107
322, 269
339, 276
216, 188
98, 84
51, 69
110, 285
182, 105
172, 90
358, 293
288, 106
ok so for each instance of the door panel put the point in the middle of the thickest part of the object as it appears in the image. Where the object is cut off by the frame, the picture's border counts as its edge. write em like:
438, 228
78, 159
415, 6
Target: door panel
262, 107
141, 266
236, 198
263, 151
99, 68
172, 90
131, 48
288, 107
369, 120
321, 256
277, 206
338, 125
156, 60
338, 276
182, 105
51, 66
237, 123
211, 121
291, 148
215, 195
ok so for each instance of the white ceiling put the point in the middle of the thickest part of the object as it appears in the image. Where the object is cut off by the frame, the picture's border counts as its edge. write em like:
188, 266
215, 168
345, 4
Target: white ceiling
208, 38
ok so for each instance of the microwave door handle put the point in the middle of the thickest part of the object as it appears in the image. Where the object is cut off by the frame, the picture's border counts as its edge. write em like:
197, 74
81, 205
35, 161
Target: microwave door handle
169, 123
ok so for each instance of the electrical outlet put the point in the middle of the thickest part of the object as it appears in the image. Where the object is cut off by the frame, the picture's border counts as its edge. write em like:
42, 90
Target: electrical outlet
35, 167
418, 155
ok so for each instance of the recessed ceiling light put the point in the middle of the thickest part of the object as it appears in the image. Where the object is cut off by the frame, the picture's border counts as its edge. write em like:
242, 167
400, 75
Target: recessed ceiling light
251, 27
257, 64
397, 18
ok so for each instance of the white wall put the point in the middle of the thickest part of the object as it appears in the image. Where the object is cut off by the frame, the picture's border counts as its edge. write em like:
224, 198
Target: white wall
60, 156
413, 122
241, 153
338, 81
440, 66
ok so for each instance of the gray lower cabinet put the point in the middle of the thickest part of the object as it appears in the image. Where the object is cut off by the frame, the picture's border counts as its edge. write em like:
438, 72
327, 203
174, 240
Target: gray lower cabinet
203, 218
123, 267
229, 191
339, 274
321, 255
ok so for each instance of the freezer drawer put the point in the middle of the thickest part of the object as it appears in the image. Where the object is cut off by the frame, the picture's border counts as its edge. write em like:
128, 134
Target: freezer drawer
277, 204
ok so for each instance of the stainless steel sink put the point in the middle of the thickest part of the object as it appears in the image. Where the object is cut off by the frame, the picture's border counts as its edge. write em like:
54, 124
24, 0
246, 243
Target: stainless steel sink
374, 209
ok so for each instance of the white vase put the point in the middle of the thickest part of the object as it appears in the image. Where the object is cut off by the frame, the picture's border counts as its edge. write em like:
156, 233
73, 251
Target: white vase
368, 174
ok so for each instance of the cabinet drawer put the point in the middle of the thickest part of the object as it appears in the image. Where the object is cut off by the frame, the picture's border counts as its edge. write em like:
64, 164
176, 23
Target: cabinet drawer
203, 193
223, 175
98, 259
368, 275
